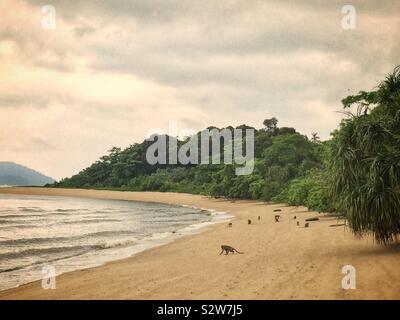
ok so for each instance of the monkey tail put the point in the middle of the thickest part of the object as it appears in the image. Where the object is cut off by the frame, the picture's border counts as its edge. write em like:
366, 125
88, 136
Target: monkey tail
238, 252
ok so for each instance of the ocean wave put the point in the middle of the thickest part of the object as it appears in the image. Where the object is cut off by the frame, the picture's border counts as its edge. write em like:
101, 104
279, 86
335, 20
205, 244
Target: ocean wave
44, 251
19, 216
50, 254
117, 243
16, 226
25, 221
68, 210
90, 221
41, 261
100, 234
30, 209
171, 220
12, 224
5, 221
49, 220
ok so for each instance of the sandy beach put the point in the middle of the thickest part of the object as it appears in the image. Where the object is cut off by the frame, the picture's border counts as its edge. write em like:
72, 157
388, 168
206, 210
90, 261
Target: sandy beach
280, 261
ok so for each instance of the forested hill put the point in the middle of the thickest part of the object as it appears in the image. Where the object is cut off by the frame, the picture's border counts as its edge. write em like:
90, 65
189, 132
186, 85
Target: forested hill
281, 155
356, 173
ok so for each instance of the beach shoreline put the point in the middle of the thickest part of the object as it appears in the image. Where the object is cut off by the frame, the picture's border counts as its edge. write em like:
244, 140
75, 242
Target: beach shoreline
115, 242
280, 260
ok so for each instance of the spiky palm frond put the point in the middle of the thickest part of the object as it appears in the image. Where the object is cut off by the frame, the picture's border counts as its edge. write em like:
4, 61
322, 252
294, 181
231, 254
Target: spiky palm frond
365, 162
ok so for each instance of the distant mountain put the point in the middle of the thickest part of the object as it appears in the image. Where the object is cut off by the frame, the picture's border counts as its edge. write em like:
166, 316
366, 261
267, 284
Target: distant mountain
13, 174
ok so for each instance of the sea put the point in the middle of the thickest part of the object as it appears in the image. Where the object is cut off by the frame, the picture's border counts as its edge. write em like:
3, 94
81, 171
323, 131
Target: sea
68, 233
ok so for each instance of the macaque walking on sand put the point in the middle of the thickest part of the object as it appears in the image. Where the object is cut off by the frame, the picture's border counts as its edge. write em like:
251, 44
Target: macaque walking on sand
228, 249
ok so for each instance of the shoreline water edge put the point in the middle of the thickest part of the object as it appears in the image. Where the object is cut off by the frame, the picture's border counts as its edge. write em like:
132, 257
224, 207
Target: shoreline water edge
114, 251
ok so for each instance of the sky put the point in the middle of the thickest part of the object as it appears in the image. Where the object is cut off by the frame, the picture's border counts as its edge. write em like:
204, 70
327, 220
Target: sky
111, 71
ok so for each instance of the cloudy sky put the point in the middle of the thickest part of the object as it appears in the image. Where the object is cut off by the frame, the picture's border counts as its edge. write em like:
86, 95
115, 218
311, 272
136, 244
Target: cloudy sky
113, 70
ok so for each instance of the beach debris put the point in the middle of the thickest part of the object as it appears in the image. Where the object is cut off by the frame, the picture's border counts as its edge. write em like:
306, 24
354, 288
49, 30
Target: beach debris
228, 249
298, 223
306, 225
248, 221
259, 218
230, 225
277, 217
277, 210
337, 225
312, 219
294, 217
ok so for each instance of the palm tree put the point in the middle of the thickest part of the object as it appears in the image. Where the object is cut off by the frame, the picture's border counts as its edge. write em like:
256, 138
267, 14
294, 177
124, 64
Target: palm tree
315, 138
365, 161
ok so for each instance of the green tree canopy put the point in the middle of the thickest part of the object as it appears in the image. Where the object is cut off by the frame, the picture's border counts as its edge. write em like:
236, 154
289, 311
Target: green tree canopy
365, 161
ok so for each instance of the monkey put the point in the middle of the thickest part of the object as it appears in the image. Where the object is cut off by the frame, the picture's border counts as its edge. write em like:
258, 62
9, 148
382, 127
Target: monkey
228, 249
294, 217
259, 218
248, 221
306, 225
277, 217
230, 225
277, 210
298, 223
